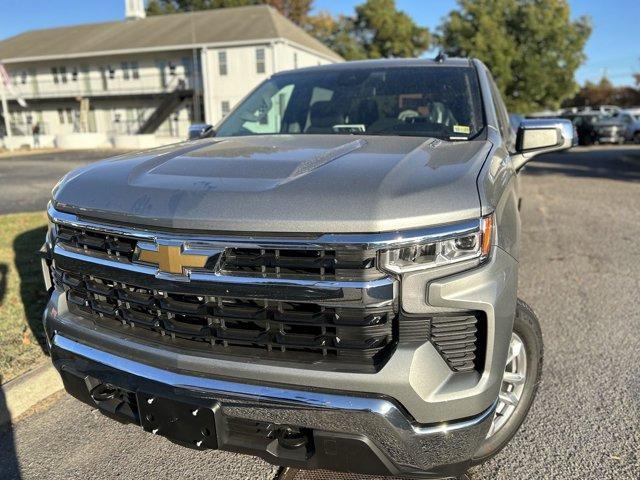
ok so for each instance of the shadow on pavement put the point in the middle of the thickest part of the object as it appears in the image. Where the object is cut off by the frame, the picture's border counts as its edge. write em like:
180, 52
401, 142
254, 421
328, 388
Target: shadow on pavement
9, 466
621, 163
32, 291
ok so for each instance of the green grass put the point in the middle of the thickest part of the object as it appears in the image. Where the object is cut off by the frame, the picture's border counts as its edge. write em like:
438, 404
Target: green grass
22, 293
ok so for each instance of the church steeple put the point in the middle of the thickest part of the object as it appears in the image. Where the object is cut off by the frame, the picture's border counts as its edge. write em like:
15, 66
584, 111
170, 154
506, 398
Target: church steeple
134, 9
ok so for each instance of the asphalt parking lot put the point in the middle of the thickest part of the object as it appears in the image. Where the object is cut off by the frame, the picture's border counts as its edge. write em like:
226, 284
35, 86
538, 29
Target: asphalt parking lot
580, 271
26, 179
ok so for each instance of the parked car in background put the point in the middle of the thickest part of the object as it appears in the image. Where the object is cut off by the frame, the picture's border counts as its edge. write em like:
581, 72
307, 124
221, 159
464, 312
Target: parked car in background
612, 129
585, 124
631, 120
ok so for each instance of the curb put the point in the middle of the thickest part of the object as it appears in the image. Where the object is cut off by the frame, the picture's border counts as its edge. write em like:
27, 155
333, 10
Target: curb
24, 392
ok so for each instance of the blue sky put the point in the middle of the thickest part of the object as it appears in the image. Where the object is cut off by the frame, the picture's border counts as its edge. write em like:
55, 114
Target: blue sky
613, 48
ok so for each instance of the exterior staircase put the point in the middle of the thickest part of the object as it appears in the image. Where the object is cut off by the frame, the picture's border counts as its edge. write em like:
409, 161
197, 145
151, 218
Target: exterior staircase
170, 103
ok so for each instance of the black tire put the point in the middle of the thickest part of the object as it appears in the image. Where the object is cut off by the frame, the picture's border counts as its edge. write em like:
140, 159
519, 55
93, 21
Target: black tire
527, 327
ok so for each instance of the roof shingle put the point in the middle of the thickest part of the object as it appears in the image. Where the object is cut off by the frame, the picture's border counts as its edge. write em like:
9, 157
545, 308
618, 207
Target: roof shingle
179, 29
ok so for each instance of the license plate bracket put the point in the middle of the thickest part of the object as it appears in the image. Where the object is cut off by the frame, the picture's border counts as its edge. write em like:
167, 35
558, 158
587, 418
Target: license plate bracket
181, 422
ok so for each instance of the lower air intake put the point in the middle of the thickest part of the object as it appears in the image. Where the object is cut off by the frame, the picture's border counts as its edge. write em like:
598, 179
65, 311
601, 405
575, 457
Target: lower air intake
457, 338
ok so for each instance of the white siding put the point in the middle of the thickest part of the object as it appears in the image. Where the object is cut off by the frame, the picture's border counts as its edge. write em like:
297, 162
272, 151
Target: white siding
121, 88
242, 75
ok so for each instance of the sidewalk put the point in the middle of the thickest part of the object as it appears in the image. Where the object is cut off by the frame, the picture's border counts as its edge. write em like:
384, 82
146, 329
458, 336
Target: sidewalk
26, 391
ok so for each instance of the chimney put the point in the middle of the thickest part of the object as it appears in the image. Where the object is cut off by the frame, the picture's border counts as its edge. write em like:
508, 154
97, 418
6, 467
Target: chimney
134, 9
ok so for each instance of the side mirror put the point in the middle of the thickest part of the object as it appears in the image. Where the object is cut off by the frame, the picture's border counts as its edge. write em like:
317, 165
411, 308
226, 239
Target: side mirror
201, 130
541, 136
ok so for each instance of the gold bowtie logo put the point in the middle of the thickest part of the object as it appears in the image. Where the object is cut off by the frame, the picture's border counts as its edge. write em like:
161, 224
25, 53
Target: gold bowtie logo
171, 258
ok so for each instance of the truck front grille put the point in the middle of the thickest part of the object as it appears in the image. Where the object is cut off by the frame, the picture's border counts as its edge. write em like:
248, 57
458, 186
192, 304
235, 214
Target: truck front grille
354, 339
323, 264
318, 300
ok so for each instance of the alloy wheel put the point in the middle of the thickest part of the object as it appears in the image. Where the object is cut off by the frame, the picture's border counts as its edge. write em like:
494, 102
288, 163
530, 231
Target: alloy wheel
513, 381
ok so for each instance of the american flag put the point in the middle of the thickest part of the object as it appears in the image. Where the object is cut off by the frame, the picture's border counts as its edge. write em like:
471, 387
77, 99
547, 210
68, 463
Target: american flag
6, 80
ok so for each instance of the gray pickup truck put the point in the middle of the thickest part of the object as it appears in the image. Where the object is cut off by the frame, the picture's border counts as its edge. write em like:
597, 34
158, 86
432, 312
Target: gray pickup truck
328, 280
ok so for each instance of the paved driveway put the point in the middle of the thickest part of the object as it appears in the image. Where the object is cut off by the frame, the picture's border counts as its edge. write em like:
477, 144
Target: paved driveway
580, 271
26, 179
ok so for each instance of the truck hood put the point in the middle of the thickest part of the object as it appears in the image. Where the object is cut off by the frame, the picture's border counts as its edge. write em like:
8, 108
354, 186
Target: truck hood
283, 183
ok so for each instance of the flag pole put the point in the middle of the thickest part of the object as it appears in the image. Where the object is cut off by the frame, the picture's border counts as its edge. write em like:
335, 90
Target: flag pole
5, 114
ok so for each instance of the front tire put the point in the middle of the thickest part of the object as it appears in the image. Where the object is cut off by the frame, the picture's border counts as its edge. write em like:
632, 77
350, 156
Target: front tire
520, 382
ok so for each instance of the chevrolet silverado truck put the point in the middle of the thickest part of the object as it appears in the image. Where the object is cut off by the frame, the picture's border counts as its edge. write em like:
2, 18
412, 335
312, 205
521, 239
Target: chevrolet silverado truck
326, 280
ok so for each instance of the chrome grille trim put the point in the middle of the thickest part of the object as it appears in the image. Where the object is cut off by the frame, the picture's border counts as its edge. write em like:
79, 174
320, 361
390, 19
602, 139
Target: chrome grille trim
325, 241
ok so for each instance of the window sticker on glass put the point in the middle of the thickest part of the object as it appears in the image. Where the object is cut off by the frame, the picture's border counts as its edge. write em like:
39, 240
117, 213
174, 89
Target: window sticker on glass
350, 128
461, 129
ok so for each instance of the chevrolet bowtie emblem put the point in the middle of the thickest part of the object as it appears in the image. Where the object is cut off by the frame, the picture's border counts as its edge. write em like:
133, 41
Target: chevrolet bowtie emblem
171, 258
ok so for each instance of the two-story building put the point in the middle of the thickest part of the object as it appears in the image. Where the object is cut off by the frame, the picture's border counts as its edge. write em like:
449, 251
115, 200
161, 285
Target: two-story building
153, 75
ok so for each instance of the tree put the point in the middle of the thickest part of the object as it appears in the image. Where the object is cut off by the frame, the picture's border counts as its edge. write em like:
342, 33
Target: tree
383, 31
337, 33
295, 10
378, 30
604, 93
532, 47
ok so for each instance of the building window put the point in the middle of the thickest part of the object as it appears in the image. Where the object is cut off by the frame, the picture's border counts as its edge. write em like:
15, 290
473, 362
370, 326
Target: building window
135, 71
260, 63
112, 72
63, 74
225, 107
222, 63
125, 70
54, 74
61, 115
74, 74
172, 69
23, 77
69, 116
295, 60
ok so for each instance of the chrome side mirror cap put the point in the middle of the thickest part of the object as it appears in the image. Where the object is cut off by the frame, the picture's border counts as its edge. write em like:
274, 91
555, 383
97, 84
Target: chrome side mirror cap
536, 136
201, 130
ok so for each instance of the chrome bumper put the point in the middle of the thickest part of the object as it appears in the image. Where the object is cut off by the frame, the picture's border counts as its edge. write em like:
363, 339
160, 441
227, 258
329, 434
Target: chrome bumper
403, 446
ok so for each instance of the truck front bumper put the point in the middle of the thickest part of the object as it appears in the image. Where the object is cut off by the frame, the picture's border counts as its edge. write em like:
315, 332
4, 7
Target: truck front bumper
298, 428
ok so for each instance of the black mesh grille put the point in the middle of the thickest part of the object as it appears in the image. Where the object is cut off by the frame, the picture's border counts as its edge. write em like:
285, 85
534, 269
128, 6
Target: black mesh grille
94, 242
351, 338
323, 264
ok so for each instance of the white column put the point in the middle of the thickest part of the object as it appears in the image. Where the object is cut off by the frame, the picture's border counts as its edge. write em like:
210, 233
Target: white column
206, 75
5, 113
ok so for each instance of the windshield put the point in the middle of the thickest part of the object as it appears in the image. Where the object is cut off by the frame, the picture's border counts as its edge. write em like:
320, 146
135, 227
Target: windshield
438, 101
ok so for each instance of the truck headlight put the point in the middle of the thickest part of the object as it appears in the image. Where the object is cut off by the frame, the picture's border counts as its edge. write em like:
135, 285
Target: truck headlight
422, 256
